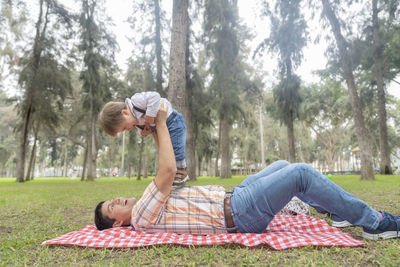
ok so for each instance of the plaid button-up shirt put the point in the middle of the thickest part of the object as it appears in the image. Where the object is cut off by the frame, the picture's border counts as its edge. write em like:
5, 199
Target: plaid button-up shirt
188, 210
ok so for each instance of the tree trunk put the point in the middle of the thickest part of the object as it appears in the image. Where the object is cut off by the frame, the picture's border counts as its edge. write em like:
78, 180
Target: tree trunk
218, 151
385, 165
177, 65
32, 174
290, 122
129, 171
37, 51
92, 141
367, 172
190, 144
42, 166
177, 93
158, 47
190, 125
65, 159
22, 149
330, 159
209, 164
28, 173
199, 162
261, 137
225, 150
84, 163
291, 142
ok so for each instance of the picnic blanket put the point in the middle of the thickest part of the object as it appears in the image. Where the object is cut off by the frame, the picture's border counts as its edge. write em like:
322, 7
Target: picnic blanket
283, 232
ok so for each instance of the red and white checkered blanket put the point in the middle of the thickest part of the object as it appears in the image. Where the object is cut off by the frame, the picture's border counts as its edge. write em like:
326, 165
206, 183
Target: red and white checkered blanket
283, 232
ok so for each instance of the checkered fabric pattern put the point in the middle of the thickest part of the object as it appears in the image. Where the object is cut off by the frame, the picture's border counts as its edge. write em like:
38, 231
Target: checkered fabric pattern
196, 210
283, 232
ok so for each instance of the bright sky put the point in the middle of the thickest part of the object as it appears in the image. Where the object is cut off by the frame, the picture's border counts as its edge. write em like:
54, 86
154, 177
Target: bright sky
314, 59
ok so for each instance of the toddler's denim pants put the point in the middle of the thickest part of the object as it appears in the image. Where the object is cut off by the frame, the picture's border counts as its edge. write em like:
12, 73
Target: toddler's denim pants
177, 130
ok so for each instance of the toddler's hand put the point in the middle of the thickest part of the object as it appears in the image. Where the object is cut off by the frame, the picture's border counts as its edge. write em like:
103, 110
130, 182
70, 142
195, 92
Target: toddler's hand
146, 130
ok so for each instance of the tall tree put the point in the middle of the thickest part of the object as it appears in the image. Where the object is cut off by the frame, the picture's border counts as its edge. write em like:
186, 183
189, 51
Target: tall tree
221, 28
327, 112
148, 22
177, 91
98, 47
147, 37
198, 100
288, 37
177, 63
138, 78
367, 172
43, 77
378, 50
158, 44
8, 141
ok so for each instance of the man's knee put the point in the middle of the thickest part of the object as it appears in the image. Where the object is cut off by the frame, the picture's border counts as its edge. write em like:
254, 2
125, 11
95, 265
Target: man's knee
282, 162
302, 166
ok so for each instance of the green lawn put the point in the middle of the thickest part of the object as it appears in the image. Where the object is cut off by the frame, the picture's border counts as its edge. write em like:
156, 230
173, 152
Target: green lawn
45, 208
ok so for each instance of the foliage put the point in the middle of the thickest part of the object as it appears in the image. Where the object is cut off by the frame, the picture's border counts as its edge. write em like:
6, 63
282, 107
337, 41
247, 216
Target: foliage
54, 82
97, 46
221, 30
221, 80
8, 143
149, 37
287, 38
13, 19
327, 112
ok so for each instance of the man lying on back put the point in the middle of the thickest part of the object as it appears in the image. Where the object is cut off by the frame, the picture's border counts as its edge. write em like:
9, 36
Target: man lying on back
248, 209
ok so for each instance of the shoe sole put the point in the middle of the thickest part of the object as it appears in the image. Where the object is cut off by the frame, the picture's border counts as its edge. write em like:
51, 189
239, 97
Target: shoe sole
180, 183
341, 224
384, 235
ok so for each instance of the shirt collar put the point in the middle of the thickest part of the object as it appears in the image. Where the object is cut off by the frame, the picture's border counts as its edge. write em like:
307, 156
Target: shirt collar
129, 102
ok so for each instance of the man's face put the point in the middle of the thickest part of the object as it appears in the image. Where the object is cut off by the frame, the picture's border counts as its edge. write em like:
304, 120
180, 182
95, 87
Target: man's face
119, 209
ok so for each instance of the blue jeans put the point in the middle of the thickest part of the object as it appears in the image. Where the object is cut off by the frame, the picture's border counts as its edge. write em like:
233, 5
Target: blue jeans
257, 199
177, 130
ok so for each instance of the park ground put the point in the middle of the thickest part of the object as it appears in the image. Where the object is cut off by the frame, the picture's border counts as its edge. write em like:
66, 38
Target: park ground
35, 211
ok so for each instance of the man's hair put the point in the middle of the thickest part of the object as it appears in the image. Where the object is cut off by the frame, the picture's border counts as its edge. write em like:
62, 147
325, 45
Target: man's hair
102, 222
110, 117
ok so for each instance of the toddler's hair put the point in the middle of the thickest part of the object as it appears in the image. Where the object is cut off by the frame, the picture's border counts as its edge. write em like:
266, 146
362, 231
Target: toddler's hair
110, 117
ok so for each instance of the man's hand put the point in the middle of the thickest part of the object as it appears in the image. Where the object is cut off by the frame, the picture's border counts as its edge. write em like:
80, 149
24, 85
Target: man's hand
149, 120
162, 114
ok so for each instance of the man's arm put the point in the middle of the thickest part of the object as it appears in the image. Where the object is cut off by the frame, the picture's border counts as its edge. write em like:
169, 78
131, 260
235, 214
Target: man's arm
166, 158
156, 139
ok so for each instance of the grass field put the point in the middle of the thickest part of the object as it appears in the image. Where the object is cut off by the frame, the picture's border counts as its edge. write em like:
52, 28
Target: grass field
45, 208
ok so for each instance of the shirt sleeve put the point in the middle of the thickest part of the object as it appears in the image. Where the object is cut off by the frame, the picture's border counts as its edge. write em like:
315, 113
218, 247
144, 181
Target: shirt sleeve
147, 210
150, 101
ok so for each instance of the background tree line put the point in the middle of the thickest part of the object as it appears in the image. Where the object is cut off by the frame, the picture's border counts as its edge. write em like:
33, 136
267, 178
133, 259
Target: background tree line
62, 65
